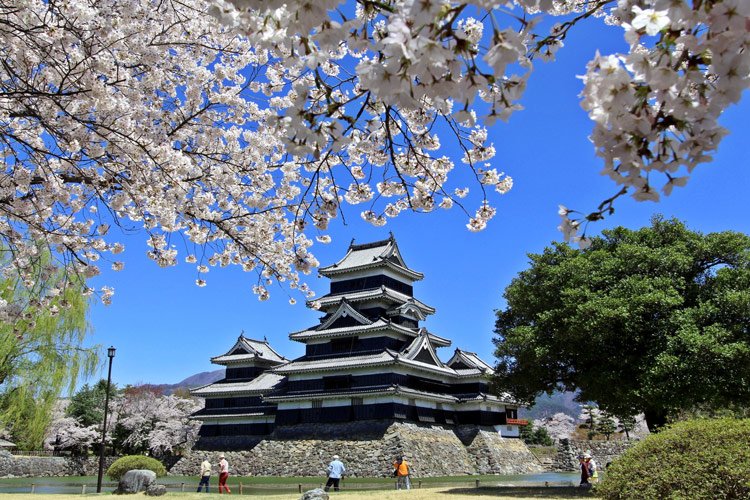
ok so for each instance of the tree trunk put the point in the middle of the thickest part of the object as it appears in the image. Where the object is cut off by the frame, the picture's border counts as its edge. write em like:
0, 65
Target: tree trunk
655, 419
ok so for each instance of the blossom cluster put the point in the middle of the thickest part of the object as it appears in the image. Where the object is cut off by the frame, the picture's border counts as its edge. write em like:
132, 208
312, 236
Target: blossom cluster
233, 133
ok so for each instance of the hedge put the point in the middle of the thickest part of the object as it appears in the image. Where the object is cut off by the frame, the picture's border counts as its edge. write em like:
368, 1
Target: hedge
696, 459
131, 462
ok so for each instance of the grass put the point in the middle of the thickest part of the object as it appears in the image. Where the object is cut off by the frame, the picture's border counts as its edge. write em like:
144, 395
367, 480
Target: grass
500, 493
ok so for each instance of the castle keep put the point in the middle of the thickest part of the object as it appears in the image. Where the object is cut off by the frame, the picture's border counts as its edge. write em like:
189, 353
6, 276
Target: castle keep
368, 365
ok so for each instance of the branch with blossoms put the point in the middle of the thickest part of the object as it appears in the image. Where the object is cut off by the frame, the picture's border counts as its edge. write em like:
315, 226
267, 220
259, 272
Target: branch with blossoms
233, 133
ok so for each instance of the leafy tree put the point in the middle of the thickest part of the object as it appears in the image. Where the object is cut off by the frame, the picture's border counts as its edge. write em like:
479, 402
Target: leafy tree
245, 126
41, 351
649, 321
535, 435
87, 405
606, 425
626, 425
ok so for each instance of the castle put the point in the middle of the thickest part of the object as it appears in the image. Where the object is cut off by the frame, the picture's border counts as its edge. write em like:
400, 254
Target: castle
367, 364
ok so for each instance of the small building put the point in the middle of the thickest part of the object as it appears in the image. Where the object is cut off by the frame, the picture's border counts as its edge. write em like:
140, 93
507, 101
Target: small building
367, 358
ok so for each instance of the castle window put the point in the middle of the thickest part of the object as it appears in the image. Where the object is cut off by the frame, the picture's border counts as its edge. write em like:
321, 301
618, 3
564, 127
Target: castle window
357, 401
317, 403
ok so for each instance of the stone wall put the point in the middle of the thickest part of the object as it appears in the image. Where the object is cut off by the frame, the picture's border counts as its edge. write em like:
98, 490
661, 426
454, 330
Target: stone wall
20, 466
602, 452
368, 450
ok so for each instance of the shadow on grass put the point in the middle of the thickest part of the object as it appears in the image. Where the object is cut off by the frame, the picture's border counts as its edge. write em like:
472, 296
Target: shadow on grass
523, 492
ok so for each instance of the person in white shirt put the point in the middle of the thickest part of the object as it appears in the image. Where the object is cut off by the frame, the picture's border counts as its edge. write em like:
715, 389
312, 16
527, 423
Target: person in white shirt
205, 474
336, 471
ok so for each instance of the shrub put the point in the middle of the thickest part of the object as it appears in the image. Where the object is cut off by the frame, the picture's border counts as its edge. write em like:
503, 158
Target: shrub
696, 459
131, 462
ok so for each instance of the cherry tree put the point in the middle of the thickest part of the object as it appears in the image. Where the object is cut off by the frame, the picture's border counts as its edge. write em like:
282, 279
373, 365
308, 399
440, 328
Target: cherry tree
159, 424
67, 433
233, 132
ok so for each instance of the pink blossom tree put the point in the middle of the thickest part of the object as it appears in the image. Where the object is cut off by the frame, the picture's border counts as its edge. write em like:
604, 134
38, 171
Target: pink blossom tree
240, 128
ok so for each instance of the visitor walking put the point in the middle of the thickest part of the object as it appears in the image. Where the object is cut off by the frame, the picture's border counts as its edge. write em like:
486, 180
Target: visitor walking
336, 472
205, 474
591, 465
584, 467
223, 474
401, 471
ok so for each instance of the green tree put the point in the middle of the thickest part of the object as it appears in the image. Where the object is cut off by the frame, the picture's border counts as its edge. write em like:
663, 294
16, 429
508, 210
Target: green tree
41, 353
535, 435
651, 321
627, 424
87, 405
606, 425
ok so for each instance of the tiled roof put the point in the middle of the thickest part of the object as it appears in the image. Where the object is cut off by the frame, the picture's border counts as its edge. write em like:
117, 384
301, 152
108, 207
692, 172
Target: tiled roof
395, 389
246, 349
351, 330
375, 254
263, 383
372, 293
471, 360
265, 416
336, 363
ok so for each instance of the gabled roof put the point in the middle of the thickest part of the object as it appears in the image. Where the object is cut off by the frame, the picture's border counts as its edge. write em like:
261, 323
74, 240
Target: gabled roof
408, 307
345, 309
246, 349
384, 253
328, 364
262, 384
421, 349
371, 294
465, 360
347, 331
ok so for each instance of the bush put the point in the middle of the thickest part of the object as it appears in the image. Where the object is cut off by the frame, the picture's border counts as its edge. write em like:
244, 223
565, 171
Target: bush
132, 462
535, 435
696, 459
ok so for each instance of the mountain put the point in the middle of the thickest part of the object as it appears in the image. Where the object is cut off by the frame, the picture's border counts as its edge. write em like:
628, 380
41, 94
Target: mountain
546, 406
191, 382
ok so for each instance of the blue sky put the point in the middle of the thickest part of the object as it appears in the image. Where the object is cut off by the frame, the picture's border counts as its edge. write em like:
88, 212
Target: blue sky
165, 328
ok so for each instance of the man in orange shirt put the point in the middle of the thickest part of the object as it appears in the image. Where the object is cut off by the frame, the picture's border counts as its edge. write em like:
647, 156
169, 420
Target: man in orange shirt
401, 471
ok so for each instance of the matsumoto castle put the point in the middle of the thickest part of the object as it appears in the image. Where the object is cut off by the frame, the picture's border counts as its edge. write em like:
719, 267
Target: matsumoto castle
367, 359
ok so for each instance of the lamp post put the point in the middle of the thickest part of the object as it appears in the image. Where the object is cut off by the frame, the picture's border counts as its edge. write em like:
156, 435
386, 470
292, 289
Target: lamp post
110, 354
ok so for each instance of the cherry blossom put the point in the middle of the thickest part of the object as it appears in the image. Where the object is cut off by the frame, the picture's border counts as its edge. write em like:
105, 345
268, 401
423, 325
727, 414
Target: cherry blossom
234, 132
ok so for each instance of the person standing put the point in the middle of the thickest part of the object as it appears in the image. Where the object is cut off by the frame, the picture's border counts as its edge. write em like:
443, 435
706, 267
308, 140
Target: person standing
584, 467
205, 474
223, 474
336, 471
401, 471
593, 469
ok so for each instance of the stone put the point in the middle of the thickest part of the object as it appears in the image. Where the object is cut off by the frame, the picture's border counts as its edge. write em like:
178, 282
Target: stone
316, 494
156, 490
135, 481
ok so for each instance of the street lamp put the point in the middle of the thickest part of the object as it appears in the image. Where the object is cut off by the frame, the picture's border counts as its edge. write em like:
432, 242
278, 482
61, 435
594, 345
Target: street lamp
111, 354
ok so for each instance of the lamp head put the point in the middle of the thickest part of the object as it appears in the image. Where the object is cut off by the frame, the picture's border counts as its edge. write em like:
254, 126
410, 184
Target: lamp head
111, 352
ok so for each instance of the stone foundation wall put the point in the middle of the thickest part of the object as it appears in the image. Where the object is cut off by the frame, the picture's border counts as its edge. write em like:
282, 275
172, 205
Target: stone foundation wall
20, 466
603, 452
368, 449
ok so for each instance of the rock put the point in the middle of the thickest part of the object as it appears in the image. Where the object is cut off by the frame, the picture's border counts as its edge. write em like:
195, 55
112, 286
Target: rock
316, 494
135, 480
156, 490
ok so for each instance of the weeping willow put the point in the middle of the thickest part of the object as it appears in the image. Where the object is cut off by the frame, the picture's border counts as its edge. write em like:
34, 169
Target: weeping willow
41, 354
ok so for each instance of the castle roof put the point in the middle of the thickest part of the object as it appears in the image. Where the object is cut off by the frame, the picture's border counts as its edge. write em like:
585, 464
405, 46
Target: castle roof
465, 360
384, 253
249, 350
381, 292
262, 384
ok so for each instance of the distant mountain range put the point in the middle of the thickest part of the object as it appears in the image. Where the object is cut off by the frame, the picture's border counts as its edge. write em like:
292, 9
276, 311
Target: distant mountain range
191, 382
